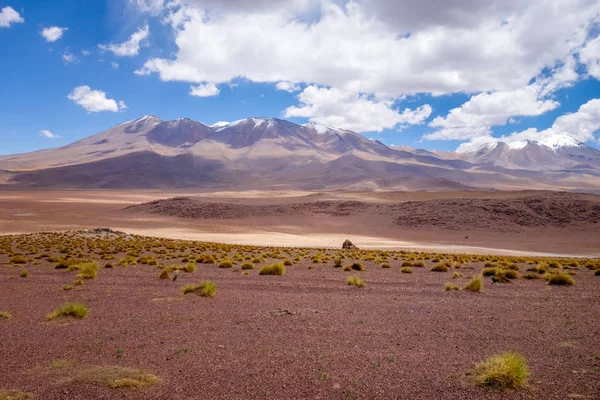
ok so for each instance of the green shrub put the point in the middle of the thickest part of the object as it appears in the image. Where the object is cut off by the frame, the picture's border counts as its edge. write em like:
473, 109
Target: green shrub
500, 277
531, 275
505, 371
247, 265
355, 281
189, 267
559, 278
204, 289
337, 262
226, 264
475, 285
357, 266
18, 260
275, 269
87, 270
439, 268
75, 310
165, 273
5, 315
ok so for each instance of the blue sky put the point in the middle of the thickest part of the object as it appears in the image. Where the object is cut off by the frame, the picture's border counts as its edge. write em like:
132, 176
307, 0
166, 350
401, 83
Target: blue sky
391, 73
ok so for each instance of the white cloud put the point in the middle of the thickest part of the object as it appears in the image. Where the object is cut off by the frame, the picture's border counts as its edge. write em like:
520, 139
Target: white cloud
590, 56
376, 52
333, 107
114, 64
85, 52
477, 116
48, 134
344, 48
94, 100
53, 33
287, 86
8, 16
130, 47
581, 125
68, 57
205, 90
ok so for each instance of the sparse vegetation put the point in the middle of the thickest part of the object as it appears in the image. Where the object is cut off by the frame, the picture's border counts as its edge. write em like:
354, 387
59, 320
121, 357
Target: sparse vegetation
204, 289
87, 270
475, 285
226, 264
275, 269
24, 274
74, 310
247, 265
505, 371
355, 281
451, 286
439, 268
559, 278
357, 266
18, 260
406, 270
5, 315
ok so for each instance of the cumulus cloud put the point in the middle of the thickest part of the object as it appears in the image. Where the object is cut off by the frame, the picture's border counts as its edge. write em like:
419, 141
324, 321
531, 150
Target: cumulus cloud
9, 16
131, 47
94, 100
68, 57
590, 57
581, 125
287, 86
379, 51
48, 134
347, 110
205, 90
477, 116
53, 33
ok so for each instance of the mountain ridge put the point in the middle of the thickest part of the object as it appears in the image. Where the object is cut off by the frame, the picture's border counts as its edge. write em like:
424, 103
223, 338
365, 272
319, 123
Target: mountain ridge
265, 152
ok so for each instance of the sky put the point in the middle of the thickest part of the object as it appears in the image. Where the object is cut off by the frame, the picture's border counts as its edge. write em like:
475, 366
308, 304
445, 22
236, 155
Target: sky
432, 74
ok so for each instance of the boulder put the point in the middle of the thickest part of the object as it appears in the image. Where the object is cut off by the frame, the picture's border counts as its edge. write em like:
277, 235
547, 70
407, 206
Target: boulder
348, 245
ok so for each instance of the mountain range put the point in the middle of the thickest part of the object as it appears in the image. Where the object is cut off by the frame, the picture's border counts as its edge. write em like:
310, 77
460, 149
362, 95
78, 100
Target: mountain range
270, 153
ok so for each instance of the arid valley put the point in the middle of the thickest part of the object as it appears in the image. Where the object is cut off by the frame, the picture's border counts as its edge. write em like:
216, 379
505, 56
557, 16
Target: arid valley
396, 318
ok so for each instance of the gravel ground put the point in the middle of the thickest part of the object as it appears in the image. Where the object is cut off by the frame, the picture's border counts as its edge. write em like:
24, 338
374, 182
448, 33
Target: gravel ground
303, 335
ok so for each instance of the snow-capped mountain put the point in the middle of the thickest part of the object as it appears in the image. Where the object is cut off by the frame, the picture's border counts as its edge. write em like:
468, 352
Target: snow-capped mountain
250, 153
557, 152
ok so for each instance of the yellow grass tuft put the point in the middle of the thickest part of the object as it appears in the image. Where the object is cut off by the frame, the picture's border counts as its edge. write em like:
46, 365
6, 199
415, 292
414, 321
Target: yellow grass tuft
75, 310
504, 371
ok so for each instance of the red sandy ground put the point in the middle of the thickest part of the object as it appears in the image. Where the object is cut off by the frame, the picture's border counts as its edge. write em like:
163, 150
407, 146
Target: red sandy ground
400, 337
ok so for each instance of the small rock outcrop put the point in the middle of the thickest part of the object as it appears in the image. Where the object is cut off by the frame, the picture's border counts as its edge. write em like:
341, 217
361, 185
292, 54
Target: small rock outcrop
348, 245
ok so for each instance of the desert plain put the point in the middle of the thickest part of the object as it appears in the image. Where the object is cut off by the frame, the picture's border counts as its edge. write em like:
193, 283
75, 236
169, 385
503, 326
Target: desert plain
412, 328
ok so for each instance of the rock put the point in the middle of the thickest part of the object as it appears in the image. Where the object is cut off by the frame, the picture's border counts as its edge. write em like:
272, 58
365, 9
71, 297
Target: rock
348, 245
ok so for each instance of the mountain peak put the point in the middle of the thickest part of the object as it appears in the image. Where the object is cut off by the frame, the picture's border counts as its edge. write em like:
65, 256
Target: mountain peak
559, 141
